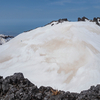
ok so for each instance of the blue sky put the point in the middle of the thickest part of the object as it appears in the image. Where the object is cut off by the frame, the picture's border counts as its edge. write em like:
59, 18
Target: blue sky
17, 16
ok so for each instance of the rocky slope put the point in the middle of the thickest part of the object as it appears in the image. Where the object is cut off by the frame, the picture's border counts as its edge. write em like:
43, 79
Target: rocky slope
16, 87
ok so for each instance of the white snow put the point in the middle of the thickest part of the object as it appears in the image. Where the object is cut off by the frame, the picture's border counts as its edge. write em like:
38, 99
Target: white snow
65, 56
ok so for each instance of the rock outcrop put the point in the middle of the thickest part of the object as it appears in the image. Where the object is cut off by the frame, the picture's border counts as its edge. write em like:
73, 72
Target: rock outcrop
96, 20
5, 38
16, 87
62, 20
57, 22
82, 19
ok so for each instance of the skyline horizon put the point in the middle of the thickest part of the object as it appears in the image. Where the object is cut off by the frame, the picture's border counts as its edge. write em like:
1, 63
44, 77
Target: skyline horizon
21, 15
18, 26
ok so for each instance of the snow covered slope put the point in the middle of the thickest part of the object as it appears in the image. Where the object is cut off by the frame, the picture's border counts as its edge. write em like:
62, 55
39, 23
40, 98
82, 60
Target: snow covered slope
65, 56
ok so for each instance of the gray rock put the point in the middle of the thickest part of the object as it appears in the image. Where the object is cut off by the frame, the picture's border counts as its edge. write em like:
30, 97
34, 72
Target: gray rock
16, 87
9, 97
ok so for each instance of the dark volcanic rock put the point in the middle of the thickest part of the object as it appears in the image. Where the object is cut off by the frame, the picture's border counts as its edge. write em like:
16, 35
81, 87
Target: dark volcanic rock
82, 19
5, 87
62, 20
79, 19
95, 19
16, 87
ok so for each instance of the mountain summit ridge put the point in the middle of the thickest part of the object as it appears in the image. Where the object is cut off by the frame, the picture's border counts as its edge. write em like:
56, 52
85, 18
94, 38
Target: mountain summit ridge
96, 20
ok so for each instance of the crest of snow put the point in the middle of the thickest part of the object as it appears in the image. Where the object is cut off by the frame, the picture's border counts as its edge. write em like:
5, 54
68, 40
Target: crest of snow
65, 56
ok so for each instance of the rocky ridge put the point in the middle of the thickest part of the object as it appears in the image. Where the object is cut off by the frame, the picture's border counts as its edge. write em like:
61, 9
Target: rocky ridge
96, 20
16, 87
